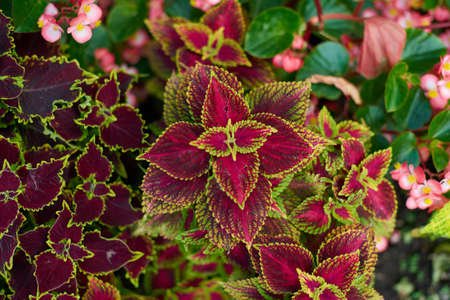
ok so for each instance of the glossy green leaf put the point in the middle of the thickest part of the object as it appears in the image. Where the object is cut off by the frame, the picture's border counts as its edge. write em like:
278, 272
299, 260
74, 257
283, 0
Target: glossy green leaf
26, 14
180, 8
415, 113
422, 50
404, 148
440, 127
372, 91
126, 18
396, 92
373, 115
438, 155
271, 32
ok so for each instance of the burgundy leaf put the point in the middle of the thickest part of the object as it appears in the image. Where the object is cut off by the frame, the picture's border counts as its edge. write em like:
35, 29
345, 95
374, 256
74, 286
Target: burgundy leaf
141, 244
8, 213
352, 182
279, 263
10, 87
382, 202
377, 164
93, 162
64, 123
214, 141
109, 254
259, 73
52, 271
237, 177
288, 100
222, 105
62, 229
312, 216
340, 270
34, 241
161, 64
194, 35
9, 151
173, 154
163, 31
245, 222
187, 59
86, 210
353, 152
251, 135
94, 117
126, 131
45, 153
99, 290
10, 67
108, 93
230, 54
227, 15
178, 192
118, 210
8, 243
45, 82
77, 252
327, 124
9, 181
42, 184
355, 130
22, 279
6, 42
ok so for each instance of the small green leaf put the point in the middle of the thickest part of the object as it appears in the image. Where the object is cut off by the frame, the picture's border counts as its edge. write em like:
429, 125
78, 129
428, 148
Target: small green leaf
439, 156
126, 18
372, 91
26, 14
271, 32
415, 113
373, 115
396, 91
440, 126
404, 148
422, 50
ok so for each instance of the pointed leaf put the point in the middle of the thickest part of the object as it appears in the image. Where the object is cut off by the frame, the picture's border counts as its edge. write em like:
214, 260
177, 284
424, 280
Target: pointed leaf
354, 129
64, 124
288, 100
141, 244
279, 264
9, 151
377, 164
340, 270
213, 141
109, 254
34, 241
62, 229
242, 223
118, 209
87, 210
327, 124
230, 55
52, 272
227, 15
9, 242
259, 73
9, 181
312, 215
237, 178
353, 152
194, 35
98, 289
222, 103
109, 93
176, 108
251, 135
93, 118
244, 289
93, 162
382, 202
9, 211
163, 31
352, 182
173, 154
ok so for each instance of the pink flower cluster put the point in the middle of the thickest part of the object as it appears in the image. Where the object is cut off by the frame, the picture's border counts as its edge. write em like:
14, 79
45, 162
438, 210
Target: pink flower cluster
437, 89
204, 5
291, 59
135, 46
80, 27
423, 193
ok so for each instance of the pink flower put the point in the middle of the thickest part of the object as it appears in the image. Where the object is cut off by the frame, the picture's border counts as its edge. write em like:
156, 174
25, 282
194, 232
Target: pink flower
105, 59
445, 38
424, 153
382, 244
80, 30
139, 39
444, 88
426, 195
92, 11
413, 176
204, 4
277, 60
131, 55
428, 82
441, 14
436, 101
399, 171
444, 68
298, 43
369, 12
44, 20
156, 10
429, 187
51, 10
292, 63
445, 183
51, 32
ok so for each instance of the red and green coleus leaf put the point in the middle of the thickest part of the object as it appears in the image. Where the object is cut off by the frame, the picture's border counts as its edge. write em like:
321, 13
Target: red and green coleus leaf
279, 264
47, 81
63, 229
87, 209
242, 223
137, 243
99, 290
52, 271
176, 107
93, 163
327, 124
118, 210
125, 131
9, 242
381, 202
247, 289
64, 124
34, 241
353, 152
222, 103
259, 73
93, 118
347, 129
9, 151
109, 93
230, 54
109, 254
164, 32
340, 270
173, 153
158, 184
11, 73
312, 215
288, 100
42, 184
288, 149
324, 291
195, 36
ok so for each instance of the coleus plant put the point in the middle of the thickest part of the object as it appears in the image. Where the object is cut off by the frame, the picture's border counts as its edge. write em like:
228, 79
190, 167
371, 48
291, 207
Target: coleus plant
64, 202
223, 150
216, 40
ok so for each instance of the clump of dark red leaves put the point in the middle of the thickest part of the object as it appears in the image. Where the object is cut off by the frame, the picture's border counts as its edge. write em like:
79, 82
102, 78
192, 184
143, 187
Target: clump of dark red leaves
63, 184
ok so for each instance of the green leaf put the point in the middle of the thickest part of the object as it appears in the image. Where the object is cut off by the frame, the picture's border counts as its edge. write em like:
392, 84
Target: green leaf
396, 91
257, 6
328, 58
440, 126
422, 50
373, 115
439, 225
271, 32
26, 14
180, 8
404, 148
372, 91
439, 156
126, 18
415, 113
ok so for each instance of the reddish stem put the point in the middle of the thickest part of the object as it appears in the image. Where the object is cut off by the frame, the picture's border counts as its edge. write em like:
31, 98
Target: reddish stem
358, 8
319, 12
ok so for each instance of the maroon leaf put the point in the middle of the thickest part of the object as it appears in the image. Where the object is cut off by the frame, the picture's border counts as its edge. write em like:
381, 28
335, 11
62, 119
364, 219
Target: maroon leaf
352, 182
118, 210
6, 42
245, 222
45, 82
34, 241
87, 210
194, 35
173, 154
382, 46
353, 152
44, 154
178, 192
186, 59
312, 215
62, 229
237, 177
94, 117
22, 279
141, 244
227, 15
125, 131
8, 213
109, 254
10, 77
77, 252
222, 105
108, 93
288, 100
93, 162
287, 149
214, 141
64, 123
382, 202
340, 270
259, 73
42, 184
99, 290
8, 243
9, 181
163, 31
9, 151
230, 54
279, 263
52, 271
